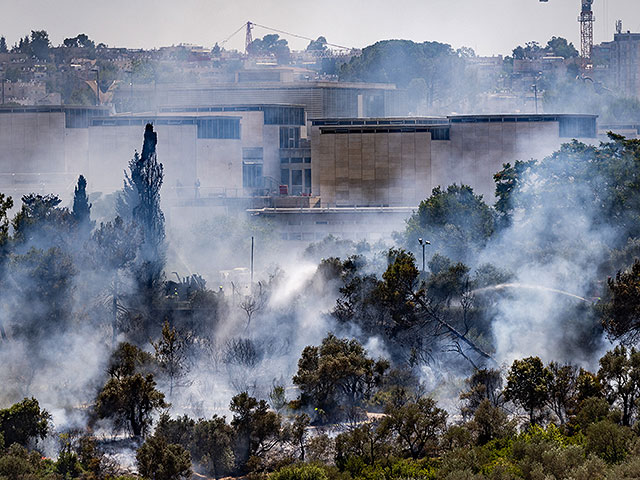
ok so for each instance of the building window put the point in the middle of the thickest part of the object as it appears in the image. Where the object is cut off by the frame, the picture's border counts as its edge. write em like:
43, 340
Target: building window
440, 133
296, 182
253, 154
252, 175
224, 128
252, 161
577, 127
297, 179
81, 117
307, 181
283, 116
289, 137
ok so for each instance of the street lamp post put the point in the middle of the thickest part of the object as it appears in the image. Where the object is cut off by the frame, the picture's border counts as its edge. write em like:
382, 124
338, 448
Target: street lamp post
423, 243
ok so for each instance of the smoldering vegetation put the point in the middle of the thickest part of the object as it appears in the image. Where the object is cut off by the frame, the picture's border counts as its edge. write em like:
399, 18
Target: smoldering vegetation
346, 359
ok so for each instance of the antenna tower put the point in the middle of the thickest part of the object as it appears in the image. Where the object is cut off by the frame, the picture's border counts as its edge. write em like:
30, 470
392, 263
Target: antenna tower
249, 37
586, 33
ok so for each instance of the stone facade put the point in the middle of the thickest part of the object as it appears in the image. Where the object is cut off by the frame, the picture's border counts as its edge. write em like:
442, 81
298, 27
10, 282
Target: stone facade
397, 162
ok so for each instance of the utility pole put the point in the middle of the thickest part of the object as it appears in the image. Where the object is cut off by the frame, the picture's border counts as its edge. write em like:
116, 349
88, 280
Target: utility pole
251, 262
535, 94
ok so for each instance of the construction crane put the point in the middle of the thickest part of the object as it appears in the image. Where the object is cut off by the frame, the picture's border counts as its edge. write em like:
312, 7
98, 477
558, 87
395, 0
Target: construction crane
586, 20
249, 26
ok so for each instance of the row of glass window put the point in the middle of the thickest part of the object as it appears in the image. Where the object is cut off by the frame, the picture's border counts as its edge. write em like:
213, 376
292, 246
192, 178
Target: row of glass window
219, 128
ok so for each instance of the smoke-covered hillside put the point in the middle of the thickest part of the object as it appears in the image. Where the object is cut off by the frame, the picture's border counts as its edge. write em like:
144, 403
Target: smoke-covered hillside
494, 358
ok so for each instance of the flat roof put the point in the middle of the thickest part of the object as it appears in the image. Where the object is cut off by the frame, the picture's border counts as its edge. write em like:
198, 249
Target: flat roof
517, 117
434, 121
50, 108
381, 121
330, 210
135, 120
225, 108
277, 85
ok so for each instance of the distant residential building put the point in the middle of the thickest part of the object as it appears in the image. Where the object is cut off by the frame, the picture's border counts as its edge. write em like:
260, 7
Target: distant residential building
617, 63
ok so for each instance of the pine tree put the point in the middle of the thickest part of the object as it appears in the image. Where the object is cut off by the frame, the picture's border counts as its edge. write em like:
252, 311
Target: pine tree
3, 45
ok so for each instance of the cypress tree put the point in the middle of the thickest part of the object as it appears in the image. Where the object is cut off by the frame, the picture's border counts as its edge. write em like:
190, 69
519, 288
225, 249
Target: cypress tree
81, 206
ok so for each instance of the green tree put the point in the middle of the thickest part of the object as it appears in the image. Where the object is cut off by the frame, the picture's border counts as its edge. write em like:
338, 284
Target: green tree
619, 374
81, 207
317, 45
6, 204
271, 44
303, 471
529, 51
68, 464
50, 276
562, 390
24, 422
508, 181
40, 44
298, 433
489, 423
560, 47
367, 443
599, 182
400, 61
79, 41
130, 402
337, 375
179, 430
128, 359
171, 355
3, 45
456, 222
620, 311
23, 46
159, 460
18, 463
116, 245
609, 441
129, 397
213, 446
256, 429
146, 181
528, 386
483, 385
41, 222
417, 426
278, 398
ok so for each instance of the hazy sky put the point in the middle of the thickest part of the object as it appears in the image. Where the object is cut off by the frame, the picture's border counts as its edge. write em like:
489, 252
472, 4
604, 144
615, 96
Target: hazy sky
488, 26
